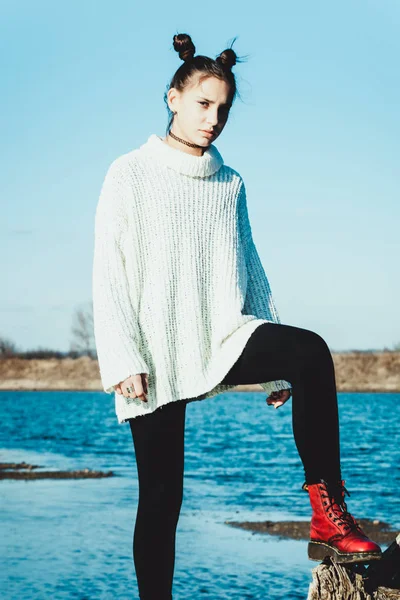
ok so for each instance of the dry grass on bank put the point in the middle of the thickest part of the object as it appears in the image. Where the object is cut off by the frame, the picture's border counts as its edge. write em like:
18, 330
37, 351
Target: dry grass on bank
355, 371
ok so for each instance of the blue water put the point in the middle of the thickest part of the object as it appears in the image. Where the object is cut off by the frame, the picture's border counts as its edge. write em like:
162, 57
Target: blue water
72, 539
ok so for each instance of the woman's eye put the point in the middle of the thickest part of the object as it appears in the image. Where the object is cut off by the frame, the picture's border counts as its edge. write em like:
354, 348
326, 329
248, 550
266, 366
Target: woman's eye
203, 103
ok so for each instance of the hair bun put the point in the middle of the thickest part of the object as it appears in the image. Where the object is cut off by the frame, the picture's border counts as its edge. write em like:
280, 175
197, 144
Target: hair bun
184, 46
227, 58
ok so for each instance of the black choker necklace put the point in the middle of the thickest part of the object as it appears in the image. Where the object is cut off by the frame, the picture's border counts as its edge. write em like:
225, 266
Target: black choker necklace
183, 141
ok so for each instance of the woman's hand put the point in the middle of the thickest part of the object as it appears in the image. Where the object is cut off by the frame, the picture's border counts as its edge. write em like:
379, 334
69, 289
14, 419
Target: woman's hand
135, 386
276, 399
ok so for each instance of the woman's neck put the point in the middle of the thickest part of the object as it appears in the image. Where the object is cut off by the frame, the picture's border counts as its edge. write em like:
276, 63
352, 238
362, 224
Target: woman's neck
179, 146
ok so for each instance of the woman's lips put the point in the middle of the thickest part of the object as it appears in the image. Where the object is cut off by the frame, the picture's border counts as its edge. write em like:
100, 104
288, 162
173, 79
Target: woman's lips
208, 133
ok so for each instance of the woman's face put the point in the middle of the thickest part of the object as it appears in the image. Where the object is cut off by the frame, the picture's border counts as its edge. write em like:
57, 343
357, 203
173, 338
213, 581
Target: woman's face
200, 108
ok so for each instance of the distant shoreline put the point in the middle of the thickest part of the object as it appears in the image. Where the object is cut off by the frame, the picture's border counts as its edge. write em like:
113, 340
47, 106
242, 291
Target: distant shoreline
355, 372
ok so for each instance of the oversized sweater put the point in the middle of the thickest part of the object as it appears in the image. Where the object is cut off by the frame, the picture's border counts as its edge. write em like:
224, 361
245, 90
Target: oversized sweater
178, 285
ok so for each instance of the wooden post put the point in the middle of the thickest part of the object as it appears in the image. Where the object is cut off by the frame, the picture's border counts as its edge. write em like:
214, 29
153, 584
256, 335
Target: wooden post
377, 580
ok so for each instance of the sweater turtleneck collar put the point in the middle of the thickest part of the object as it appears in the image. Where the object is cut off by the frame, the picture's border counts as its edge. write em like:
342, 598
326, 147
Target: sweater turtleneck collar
183, 162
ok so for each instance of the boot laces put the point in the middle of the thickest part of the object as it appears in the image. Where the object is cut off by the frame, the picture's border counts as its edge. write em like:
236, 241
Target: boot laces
336, 505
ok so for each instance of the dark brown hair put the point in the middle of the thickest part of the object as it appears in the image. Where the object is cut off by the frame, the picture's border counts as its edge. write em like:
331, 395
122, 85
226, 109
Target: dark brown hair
203, 66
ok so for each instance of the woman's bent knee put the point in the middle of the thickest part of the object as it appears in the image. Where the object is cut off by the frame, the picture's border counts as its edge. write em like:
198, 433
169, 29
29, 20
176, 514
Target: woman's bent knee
312, 349
316, 341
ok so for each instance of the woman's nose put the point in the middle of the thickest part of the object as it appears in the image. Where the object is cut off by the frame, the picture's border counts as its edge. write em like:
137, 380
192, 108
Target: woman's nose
212, 120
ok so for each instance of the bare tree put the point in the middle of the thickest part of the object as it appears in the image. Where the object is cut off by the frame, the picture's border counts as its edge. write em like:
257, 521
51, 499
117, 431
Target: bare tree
83, 331
7, 348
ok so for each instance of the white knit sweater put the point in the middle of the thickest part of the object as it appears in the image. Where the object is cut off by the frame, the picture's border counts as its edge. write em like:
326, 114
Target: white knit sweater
178, 285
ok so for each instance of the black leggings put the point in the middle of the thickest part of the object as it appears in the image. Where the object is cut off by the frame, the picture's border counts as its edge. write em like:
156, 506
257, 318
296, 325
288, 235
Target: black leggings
274, 351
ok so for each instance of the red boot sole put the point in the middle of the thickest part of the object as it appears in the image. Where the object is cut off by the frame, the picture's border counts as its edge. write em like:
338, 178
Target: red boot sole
319, 551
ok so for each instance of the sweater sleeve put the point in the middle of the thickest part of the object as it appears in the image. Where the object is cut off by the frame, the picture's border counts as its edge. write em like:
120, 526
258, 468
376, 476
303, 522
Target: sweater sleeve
115, 323
258, 301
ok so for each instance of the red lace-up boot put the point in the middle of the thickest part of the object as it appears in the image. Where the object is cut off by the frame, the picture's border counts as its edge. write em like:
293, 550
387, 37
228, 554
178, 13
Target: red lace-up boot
334, 532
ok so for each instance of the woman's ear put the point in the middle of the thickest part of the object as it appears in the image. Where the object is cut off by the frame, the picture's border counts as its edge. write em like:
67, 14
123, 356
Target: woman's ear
173, 100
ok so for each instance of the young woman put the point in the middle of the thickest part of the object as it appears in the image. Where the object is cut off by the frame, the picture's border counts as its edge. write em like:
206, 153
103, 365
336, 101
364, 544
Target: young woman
183, 311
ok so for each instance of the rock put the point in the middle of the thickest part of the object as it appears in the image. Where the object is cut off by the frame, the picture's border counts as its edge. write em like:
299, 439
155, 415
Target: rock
15, 471
379, 580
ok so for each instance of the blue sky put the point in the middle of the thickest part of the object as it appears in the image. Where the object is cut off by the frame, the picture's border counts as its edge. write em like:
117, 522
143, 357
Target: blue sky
315, 136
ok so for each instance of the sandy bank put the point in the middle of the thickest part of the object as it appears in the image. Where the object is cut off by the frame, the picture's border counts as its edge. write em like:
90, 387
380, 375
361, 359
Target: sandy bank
355, 371
25, 471
379, 531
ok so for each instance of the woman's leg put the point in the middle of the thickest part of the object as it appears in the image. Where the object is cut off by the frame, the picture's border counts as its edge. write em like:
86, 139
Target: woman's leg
159, 448
302, 357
